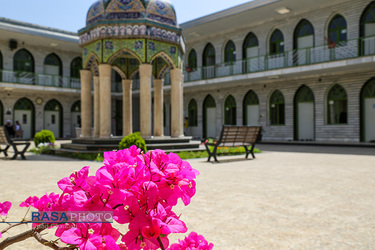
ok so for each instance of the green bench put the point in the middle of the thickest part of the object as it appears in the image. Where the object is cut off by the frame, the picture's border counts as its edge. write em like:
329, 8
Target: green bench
233, 136
5, 140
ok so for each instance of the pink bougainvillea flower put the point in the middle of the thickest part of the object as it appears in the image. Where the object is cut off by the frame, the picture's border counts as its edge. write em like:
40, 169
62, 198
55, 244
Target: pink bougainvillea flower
29, 201
4, 208
74, 181
193, 241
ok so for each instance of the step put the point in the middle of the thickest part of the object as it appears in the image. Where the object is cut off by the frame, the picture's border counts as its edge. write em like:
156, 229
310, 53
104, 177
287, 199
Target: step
165, 146
90, 147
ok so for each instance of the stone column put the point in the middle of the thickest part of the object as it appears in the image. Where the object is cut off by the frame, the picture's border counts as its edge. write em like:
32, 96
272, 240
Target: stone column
105, 71
127, 107
145, 73
177, 122
96, 107
86, 103
158, 107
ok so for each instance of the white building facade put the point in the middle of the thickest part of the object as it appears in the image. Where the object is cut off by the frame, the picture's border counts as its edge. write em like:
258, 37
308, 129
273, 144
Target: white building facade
302, 70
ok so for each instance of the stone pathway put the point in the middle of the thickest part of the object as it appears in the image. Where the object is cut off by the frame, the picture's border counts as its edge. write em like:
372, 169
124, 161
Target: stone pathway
281, 200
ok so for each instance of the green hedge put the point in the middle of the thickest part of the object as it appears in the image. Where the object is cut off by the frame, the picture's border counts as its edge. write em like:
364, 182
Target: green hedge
133, 139
44, 136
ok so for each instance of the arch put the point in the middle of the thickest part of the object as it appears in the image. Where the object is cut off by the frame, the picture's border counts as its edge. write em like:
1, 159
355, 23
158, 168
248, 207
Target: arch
209, 61
230, 114
119, 71
337, 105
1, 114
303, 35
192, 60
91, 59
123, 51
209, 55
23, 61
163, 72
52, 65
277, 108
230, 52
192, 113
1, 68
251, 41
165, 57
367, 30
53, 117
76, 107
276, 42
337, 31
368, 111
75, 68
304, 114
24, 112
251, 108
209, 117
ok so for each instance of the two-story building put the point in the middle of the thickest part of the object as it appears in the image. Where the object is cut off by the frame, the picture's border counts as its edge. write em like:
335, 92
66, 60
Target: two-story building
304, 70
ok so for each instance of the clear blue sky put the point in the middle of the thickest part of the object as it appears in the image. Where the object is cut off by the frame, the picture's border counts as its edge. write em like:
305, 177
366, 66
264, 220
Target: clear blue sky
70, 14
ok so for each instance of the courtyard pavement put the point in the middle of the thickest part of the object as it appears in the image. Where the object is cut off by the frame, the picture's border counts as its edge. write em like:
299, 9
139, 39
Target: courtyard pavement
280, 200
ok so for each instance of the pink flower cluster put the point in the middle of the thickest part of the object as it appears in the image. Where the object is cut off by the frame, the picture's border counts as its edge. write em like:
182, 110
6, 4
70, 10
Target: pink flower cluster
192, 242
140, 189
4, 209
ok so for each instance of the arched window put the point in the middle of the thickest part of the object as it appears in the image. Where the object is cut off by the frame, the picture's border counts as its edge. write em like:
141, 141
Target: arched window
251, 109
337, 102
52, 65
250, 46
277, 108
76, 107
209, 117
23, 61
230, 111
303, 35
192, 60
368, 111
230, 52
1, 114
193, 113
209, 61
75, 68
1, 68
209, 55
367, 30
276, 42
337, 31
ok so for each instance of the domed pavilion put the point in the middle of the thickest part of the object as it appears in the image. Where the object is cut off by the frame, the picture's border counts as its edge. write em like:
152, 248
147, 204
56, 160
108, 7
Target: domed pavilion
130, 37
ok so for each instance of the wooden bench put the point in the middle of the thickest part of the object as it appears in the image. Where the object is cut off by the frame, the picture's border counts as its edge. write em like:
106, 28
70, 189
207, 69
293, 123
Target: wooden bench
5, 140
232, 136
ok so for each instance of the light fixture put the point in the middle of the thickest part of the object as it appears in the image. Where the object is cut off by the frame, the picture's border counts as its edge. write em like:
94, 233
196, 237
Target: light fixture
283, 10
8, 112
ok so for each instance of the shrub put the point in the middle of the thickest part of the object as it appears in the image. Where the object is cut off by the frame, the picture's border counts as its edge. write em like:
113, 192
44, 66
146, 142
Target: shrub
44, 136
133, 139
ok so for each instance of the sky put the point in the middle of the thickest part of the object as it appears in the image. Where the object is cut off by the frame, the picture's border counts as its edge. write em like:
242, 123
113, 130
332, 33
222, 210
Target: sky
70, 15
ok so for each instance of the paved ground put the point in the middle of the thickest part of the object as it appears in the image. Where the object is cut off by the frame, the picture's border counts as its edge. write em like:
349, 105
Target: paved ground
281, 200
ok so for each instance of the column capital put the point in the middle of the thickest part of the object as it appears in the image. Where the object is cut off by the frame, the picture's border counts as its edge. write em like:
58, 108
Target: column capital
85, 73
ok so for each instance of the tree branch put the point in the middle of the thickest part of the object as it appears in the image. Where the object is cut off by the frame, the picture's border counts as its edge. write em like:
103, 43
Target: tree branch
161, 244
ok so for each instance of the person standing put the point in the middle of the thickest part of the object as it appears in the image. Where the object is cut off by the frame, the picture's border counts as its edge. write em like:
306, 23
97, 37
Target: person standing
9, 128
18, 130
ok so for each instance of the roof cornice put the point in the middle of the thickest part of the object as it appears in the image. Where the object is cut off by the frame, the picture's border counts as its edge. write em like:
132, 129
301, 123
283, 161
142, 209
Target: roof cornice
227, 12
36, 30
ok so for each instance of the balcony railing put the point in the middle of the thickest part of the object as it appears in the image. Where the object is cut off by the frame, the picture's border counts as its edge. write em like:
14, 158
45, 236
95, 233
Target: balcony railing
39, 79
306, 56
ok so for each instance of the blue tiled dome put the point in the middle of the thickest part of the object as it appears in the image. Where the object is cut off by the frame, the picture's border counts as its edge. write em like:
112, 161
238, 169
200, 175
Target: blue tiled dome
122, 11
